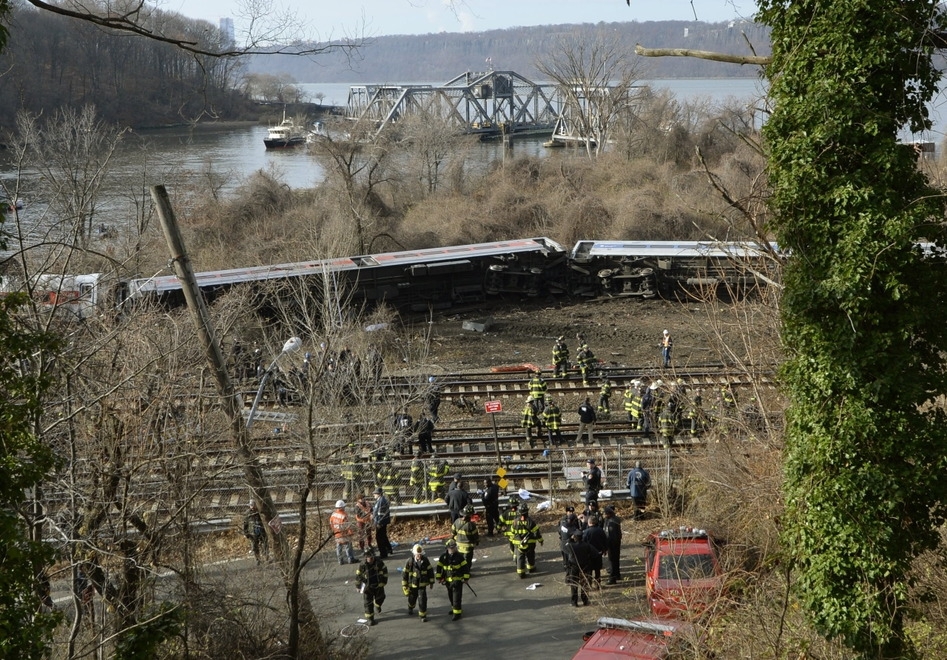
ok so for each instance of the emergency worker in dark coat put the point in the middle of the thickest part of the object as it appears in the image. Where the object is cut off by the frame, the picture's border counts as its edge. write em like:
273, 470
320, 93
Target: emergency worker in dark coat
579, 563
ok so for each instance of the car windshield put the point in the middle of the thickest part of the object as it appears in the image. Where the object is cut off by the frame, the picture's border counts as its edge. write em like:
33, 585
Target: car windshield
686, 567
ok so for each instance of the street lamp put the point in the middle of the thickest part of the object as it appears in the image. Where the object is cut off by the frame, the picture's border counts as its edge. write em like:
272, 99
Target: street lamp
292, 345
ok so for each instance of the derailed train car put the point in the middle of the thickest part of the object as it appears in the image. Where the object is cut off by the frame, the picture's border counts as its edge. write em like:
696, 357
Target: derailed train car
411, 280
445, 277
646, 269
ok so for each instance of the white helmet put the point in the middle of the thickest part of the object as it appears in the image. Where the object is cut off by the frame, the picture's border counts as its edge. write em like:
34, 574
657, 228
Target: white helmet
417, 549
340, 504
666, 332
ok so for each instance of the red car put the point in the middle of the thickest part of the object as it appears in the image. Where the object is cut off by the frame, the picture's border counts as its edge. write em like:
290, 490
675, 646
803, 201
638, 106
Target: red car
682, 572
620, 639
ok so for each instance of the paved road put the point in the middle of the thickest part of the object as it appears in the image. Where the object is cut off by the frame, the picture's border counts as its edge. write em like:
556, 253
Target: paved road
504, 618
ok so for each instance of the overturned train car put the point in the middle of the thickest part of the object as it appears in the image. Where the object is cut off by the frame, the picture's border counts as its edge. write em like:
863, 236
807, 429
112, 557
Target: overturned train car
412, 280
441, 278
446, 277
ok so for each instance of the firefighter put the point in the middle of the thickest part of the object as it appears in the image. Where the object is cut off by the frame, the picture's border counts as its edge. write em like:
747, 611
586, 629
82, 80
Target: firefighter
530, 420
351, 474
416, 479
524, 533
465, 532
560, 357
604, 397
417, 576
585, 359
538, 387
507, 518
552, 418
452, 571
437, 472
370, 580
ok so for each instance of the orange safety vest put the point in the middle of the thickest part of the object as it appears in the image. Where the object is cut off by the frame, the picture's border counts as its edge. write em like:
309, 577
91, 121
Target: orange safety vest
339, 522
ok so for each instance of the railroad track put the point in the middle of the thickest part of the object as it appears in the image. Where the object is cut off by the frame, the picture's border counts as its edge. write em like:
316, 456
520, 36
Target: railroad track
469, 447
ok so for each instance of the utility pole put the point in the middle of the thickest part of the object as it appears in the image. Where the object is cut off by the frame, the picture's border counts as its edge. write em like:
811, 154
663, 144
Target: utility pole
232, 404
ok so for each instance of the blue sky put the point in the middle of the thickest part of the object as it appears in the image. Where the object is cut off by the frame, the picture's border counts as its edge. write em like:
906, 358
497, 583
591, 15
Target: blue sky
326, 20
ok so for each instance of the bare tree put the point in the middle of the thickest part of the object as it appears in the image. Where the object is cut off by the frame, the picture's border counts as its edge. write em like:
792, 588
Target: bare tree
356, 163
596, 79
430, 141
72, 153
266, 27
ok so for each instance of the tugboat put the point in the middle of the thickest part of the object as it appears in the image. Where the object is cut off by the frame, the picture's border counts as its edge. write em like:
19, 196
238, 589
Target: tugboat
287, 134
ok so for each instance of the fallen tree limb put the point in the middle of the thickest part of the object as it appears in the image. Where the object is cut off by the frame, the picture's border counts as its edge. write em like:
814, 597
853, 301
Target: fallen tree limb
759, 60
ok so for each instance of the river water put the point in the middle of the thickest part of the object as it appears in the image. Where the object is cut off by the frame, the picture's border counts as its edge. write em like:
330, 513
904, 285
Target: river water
187, 159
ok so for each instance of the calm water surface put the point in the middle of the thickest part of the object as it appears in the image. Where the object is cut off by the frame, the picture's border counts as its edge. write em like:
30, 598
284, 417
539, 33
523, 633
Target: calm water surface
220, 158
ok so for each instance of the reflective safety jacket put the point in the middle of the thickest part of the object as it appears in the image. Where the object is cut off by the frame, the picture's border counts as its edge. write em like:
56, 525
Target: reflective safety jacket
530, 420
350, 469
339, 522
525, 533
417, 573
538, 388
452, 567
374, 576
465, 532
560, 353
505, 524
417, 472
552, 417
437, 473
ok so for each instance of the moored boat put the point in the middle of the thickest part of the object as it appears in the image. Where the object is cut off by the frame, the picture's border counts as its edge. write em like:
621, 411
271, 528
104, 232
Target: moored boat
286, 134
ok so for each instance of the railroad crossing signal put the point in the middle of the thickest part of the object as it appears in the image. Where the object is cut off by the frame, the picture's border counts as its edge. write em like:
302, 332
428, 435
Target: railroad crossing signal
501, 472
493, 406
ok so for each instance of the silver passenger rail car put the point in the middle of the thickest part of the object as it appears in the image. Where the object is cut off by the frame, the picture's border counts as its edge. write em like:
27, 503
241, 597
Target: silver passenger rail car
411, 280
646, 269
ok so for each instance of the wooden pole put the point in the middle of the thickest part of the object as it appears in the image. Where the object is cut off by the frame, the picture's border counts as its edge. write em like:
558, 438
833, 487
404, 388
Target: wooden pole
232, 403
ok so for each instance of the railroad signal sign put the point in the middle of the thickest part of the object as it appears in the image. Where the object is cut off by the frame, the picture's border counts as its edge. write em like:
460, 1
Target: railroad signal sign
493, 406
502, 482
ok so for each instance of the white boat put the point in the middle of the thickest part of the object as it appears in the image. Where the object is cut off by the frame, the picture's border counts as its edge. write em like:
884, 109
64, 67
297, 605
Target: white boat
317, 132
287, 134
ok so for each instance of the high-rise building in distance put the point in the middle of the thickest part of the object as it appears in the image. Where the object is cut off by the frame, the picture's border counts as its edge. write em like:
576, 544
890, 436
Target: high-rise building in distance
226, 31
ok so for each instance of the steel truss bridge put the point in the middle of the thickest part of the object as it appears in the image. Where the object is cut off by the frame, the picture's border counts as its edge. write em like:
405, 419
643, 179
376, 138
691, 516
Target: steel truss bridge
488, 104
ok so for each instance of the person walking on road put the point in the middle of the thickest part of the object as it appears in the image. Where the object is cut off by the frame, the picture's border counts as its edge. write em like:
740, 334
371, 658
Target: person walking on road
524, 534
417, 576
639, 481
612, 528
381, 518
371, 576
586, 421
342, 530
452, 571
465, 532
507, 518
